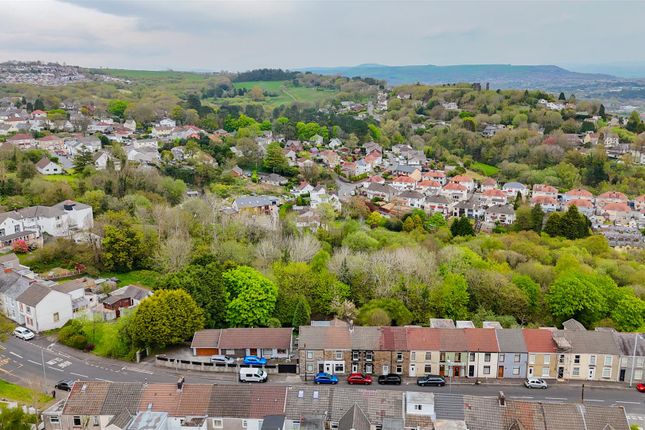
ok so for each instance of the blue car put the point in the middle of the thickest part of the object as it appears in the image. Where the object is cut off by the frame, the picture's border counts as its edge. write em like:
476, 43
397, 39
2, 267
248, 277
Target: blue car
253, 360
325, 378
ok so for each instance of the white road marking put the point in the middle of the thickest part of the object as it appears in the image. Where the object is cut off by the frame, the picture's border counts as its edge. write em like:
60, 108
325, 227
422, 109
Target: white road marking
54, 361
79, 375
521, 397
64, 364
135, 369
35, 362
55, 368
14, 354
594, 400
104, 380
628, 403
556, 398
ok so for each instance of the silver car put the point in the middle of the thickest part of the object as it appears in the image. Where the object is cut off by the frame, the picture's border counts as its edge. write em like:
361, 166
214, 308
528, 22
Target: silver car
222, 359
23, 333
536, 383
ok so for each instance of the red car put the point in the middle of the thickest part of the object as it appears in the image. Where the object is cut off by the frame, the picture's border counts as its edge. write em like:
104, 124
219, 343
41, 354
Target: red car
640, 387
359, 378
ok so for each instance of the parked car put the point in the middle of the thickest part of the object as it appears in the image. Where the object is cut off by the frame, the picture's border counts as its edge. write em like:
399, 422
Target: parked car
253, 360
431, 380
536, 383
325, 378
224, 359
65, 384
389, 379
359, 378
640, 387
23, 333
253, 374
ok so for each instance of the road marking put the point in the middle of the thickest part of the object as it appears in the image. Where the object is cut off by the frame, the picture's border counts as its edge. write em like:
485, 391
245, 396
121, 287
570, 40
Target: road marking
79, 375
521, 397
135, 369
56, 369
628, 403
64, 364
594, 400
14, 354
104, 380
35, 362
556, 398
54, 361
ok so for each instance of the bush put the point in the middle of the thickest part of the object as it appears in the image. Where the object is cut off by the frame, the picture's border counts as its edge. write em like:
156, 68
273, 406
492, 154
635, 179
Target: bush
77, 341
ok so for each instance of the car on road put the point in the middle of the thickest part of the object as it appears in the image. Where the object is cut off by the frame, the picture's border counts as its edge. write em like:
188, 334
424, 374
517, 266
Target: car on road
640, 387
325, 378
223, 359
359, 379
65, 384
431, 380
389, 379
23, 333
253, 360
536, 383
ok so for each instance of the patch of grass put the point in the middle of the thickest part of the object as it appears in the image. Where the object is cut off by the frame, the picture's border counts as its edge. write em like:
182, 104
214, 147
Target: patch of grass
106, 338
484, 168
22, 395
146, 278
282, 92
70, 179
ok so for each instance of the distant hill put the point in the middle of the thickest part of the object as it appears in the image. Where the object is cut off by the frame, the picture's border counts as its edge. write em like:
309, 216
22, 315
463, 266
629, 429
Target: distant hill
499, 75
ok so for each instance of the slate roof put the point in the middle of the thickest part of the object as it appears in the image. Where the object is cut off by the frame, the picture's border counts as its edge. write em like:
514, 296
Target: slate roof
87, 398
572, 324
452, 340
442, 323
511, 340
354, 419
159, 398
590, 342
77, 205
41, 211
625, 343
13, 284
499, 209
133, 291
122, 396
255, 201
194, 400
33, 295
393, 339
208, 338
241, 338
324, 338
74, 284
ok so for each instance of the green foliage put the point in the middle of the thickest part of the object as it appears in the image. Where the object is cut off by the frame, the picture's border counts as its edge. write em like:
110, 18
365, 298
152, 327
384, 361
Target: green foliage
360, 241
117, 107
169, 317
462, 227
580, 296
301, 313
252, 297
275, 159
572, 224
450, 298
82, 160
16, 419
394, 309
124, 249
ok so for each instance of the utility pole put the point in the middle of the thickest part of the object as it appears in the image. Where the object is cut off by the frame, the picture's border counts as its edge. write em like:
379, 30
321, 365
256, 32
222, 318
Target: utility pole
631, 375
583, 393
42, 359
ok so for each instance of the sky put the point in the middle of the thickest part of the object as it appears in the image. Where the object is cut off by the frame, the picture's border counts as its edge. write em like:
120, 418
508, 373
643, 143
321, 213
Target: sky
239, 35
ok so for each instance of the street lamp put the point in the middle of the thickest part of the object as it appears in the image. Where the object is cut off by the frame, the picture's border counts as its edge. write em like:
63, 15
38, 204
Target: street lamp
631, 375
450, 375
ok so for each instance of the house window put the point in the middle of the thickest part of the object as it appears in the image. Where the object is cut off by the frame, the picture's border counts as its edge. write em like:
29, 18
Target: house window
218, 423
639, 362
608, 360
95, 421
295, 425
487, 357
442, 356
471, 356
486, 370
339, 368
369, 355
399, 369
427, 368
399, 356
576, 359
606, 372
413, 356
547, 359
576, 371
310, 367
54, 419
245, 423
516, 370
29, 310
230, 352
77, 420
310, 355
369, 368
458, 356
428, 356
355, 355
592, 360
502, 357
56, 317
561, 359
418, 407
532, 358
516, 358
545, 372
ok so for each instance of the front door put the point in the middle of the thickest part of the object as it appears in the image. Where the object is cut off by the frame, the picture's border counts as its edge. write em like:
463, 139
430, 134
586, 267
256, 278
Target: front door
442, 370
560, 372
500, 371
386, 369
471, 370
456, 371
621, 378
413, 369
592, 373
329, 368
253, 351
530, 371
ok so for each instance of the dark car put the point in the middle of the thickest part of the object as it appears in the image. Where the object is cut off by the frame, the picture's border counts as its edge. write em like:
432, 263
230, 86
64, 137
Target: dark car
431, 380
389, 379
359, 378
65, 384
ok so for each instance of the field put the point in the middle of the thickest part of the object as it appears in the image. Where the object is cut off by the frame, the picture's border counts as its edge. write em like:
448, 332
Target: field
485, 169
283, 92
152, 74
145, 278
22, 395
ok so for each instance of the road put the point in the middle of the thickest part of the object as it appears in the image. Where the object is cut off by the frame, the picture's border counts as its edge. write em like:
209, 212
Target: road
22, 362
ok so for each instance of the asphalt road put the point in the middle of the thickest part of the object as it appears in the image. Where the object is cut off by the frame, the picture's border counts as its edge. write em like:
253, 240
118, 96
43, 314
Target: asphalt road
31, 363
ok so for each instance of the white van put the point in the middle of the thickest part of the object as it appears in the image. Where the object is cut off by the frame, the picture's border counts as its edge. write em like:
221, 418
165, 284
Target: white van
252, 374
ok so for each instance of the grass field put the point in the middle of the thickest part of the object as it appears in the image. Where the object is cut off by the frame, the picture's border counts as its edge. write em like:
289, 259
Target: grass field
70, 179
146, 278
22, 395
152, 74
485, 169
284, 92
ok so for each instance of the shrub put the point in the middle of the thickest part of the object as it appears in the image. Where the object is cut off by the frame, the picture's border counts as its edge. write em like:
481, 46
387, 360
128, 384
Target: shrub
77, 341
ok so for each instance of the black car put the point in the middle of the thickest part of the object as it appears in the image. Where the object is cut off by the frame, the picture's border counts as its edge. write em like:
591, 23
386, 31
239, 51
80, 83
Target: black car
389, 379
65, 384
431, 380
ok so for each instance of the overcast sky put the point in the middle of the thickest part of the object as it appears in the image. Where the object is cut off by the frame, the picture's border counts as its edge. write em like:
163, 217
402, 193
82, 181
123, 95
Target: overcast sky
243, 34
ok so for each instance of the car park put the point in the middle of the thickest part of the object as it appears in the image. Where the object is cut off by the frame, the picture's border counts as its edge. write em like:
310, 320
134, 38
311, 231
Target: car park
325, 378
23, 333
536, 383
223, 359
431, 380
389, 379
65, 384
359, 379
253, 360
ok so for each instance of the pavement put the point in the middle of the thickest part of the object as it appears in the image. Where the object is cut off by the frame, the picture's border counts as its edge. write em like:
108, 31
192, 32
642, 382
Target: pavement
40, 363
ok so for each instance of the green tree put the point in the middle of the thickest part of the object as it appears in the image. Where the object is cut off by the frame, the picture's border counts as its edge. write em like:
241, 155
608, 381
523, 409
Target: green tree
462, 227
16, 419
117, 107
275, 159
174, 189
577, 295
205, 285
83, 159
634, 123
562, 97
523, 219
601, 111
450, 298
38, 104
301, 313
360, 241
169, 317
537, 218
628, 312
26, 170
572, 224
124, 247
374, 220
376, 317
532, 290
395, 309
253, 297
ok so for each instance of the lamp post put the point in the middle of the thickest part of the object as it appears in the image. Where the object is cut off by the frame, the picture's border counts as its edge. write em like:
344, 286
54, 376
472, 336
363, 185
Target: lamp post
450, 375
631, 375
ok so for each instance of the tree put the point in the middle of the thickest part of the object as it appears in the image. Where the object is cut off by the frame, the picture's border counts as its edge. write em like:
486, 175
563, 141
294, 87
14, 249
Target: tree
537, 218
275, 159
572, 224
253, 297
374, 220
532, 290
83, 159
301, 313
205, 285
601, 111
462, 227
26, 170
124, 247
634, 123
117, 107
394, 308
39, 104
16, 419
577, 295
174, 189
562, 97
629, 311
450, 298
169, 317
376, 317
256, 93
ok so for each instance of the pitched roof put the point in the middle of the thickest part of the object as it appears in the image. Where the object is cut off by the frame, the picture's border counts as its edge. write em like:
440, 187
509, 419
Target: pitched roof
122, 396
590, 342
539, 340
34, 294
481, 339
617, 207
194, 400
43, 162
159, 398
354, 419
87, 398
511, 340
324, 338
423, 338
393, 339
208, 338
452, 186
613, 195
579, 192
452, 339
74, 284
626, 341
544, 188
241, 338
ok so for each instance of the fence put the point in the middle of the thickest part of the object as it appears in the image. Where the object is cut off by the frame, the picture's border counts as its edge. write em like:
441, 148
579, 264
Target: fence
204, 366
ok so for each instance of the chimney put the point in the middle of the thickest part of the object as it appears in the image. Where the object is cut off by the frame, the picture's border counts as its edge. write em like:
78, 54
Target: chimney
351, 326
501, 399
180, 383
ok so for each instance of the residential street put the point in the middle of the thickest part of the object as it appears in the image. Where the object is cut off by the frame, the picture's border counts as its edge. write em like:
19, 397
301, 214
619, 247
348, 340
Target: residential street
22, 362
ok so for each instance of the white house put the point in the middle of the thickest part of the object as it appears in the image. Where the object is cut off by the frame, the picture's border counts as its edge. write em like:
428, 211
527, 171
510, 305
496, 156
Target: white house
80, 216
319, 196
42, 308
513, 188
47, 167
